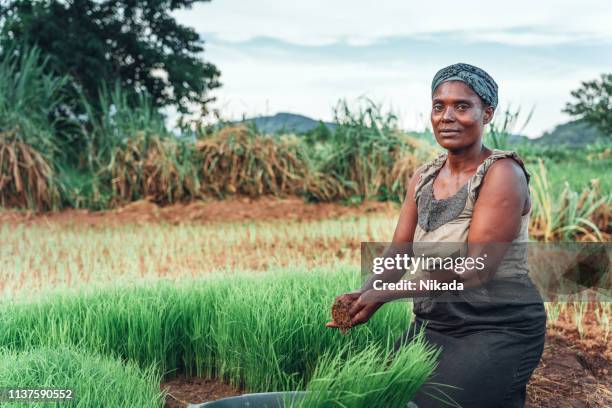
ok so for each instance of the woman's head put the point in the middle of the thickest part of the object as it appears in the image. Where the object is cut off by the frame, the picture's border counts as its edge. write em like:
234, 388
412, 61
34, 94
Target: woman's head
464, 98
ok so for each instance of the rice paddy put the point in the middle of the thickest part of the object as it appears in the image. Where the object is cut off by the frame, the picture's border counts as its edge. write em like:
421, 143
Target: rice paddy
244, 302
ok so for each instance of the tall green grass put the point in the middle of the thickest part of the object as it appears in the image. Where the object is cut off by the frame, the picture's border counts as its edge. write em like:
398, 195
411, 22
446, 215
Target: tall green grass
367, 153
29, 101
121, 151
96, 381
261, 333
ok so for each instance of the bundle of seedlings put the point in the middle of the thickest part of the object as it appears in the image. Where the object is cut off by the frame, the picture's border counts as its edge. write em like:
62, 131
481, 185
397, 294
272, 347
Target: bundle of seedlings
92, 379
237, 160
371, 377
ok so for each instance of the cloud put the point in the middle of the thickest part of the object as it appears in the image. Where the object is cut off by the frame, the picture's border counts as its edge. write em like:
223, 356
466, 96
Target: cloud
319, 22
303, 57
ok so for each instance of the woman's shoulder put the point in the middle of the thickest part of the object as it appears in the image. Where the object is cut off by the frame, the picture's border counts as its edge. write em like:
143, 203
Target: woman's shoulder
501, 165
507, 159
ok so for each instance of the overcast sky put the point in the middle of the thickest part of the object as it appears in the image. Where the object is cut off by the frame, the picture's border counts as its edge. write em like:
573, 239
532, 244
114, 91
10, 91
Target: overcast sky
282, 56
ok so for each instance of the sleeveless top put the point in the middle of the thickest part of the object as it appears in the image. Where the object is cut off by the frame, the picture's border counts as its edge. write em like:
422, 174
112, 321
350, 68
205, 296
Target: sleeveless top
449, 219
442, 230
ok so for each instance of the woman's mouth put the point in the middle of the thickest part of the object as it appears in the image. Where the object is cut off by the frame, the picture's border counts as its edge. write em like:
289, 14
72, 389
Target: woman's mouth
449, 132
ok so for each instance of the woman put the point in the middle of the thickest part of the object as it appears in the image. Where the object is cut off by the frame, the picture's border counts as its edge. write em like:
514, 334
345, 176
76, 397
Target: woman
478, 196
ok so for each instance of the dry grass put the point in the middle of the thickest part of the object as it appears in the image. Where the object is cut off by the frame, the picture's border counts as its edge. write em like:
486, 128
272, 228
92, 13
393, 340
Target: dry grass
238, 161
26, 178
153, 167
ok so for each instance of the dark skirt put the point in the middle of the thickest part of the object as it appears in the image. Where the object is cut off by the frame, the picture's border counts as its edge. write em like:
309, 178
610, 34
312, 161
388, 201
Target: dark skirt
488, 352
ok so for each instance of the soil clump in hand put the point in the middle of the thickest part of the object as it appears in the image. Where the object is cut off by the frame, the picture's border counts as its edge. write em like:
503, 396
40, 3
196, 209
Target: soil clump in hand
340, 314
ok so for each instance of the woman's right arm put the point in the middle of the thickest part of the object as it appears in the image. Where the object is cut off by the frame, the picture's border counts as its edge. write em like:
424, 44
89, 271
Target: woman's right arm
404, 233
361, 310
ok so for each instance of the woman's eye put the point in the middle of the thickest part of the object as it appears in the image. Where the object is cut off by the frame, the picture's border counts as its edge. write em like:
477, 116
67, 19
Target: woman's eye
462, 107
438, 108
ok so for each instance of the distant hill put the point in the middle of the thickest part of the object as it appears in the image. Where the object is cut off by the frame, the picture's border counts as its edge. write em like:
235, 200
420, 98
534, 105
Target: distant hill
575, 133
284, 122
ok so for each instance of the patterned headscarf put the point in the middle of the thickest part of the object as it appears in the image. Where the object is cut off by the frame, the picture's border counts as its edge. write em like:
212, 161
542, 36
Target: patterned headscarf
476, 78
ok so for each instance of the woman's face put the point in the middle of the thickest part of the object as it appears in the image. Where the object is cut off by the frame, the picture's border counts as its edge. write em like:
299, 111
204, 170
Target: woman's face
458, 115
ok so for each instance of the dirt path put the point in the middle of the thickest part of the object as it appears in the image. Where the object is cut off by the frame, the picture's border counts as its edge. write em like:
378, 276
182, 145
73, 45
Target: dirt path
238, 209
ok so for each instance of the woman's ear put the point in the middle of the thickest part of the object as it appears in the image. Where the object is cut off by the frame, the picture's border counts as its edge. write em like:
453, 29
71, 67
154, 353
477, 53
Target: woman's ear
488, 115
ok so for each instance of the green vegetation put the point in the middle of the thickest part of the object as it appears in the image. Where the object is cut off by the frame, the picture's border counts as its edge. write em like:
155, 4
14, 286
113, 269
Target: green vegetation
95, 380
395, 376
109, 312
593, 103
570, 214
367, 154
577, 133
30, 142
262, 333
241, 302
92, 43
125, 153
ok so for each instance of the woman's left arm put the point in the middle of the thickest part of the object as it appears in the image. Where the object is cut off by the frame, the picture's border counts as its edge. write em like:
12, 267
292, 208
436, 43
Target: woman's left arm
496, 220
503, 196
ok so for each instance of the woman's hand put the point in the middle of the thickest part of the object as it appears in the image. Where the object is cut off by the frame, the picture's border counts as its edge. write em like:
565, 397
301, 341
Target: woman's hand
365, 307
348, 298
361, 309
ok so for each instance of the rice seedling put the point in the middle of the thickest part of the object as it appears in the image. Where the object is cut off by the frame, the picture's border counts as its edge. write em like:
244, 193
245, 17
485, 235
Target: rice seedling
579, 311
33, 258
602, 316
553, 310
94, 380
371, 377
211, 327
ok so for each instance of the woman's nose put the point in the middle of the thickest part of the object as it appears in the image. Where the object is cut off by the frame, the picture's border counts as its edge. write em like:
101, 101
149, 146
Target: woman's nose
448, 115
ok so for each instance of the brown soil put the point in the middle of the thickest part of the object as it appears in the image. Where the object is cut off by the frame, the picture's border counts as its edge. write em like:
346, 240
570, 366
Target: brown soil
182, 391
575, 370
340, 315
236, 209
569, 377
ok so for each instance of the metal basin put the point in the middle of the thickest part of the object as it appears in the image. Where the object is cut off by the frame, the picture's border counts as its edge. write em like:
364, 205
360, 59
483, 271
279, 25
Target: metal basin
260, 400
